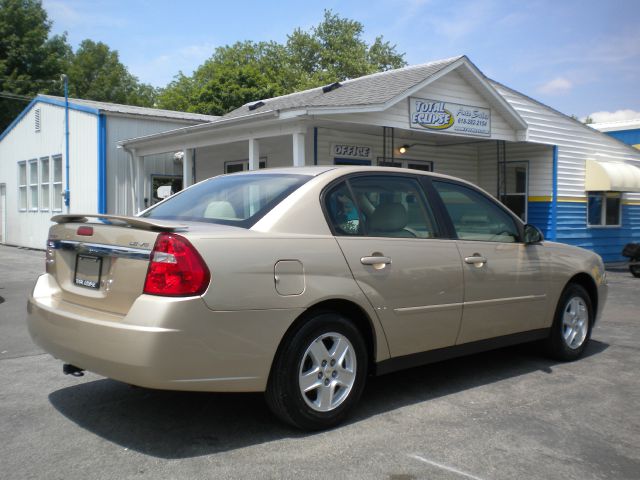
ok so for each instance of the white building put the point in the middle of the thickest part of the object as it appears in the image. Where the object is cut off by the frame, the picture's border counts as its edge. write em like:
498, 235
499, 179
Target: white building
578, 185
33, 163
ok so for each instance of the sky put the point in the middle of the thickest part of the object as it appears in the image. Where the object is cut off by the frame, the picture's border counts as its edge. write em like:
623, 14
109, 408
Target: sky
579, 57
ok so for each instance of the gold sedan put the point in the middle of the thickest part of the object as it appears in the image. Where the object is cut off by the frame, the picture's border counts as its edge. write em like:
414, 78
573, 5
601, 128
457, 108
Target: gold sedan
301, 282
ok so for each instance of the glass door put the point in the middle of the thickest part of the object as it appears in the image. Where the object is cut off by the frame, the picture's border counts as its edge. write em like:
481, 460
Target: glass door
514, 185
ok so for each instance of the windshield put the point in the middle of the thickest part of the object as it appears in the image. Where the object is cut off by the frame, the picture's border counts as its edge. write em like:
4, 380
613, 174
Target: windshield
239, 200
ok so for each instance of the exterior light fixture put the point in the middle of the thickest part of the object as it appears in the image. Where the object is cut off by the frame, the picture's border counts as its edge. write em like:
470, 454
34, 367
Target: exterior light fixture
404, 148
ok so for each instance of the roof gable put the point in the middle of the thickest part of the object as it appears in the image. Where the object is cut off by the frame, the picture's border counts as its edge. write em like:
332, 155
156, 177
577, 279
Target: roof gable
374, 89
379, 91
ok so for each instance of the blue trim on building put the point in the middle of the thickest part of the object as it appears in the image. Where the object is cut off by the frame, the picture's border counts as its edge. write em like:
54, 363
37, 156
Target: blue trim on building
50, 101
102, 164
572, 228
539, 214
553, 233
630, 137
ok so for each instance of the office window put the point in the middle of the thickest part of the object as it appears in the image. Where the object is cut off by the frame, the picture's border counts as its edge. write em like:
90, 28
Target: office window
604, 209
22, 186
45, 193
242, 165
33, 184
57, 183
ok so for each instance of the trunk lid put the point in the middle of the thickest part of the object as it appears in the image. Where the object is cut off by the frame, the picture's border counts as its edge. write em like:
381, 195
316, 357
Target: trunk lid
101, 261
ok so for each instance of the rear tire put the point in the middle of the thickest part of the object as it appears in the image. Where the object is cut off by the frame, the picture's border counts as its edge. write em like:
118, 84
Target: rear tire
571, 329
635, 270
319, 373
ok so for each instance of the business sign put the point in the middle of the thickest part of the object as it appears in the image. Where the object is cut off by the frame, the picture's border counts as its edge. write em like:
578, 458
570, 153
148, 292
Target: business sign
449, 117
350, 151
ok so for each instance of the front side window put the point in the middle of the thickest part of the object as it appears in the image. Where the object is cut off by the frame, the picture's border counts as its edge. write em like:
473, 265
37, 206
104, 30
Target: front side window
474, 216
239, 200
603, 209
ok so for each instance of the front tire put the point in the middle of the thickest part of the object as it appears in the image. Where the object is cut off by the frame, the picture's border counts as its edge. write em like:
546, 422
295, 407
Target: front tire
319, 373
635, 270
571, 329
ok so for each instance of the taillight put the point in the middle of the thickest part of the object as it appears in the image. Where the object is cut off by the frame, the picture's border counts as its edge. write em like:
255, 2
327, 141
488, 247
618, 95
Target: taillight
176, 269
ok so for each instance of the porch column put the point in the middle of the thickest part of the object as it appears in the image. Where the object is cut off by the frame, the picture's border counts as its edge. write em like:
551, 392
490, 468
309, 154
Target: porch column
138, 162
254, 154
298, 149
187, 167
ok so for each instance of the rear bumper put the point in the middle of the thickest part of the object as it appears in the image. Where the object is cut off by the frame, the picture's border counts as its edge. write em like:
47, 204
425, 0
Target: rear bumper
166, 343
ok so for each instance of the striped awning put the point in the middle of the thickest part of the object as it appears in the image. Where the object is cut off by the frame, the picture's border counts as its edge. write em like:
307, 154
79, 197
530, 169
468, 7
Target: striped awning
601, 176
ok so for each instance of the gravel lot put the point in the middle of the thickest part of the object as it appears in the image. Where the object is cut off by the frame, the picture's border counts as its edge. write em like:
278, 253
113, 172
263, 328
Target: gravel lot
500, 415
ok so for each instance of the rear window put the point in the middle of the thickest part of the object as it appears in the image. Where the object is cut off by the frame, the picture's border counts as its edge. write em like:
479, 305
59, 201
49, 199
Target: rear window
239, 200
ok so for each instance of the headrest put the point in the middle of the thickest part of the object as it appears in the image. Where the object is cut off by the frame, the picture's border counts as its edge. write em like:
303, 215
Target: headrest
388, 217
220, 209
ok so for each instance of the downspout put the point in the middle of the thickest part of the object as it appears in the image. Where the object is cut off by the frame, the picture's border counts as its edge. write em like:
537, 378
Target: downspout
67, 199
102, 163
315, 145
132, 180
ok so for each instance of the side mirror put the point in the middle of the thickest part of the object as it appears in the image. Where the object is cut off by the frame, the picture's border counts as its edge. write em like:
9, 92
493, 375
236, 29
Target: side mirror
532, 234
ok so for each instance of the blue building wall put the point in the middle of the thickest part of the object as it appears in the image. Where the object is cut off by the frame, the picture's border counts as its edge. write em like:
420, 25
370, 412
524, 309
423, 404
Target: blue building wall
630, 137
572, 228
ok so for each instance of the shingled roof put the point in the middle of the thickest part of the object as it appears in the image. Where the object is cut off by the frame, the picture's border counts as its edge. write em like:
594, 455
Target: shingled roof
374, 89
133, 110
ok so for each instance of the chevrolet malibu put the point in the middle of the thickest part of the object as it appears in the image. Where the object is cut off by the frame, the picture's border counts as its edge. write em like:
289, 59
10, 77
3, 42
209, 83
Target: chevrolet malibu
301, 282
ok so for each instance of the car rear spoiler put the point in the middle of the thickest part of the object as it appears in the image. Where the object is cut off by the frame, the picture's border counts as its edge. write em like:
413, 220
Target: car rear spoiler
121, 221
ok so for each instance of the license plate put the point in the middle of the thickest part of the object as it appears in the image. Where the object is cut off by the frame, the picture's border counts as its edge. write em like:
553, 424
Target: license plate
88, 270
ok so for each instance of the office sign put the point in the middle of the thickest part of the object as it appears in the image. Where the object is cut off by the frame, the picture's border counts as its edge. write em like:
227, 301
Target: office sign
350, 151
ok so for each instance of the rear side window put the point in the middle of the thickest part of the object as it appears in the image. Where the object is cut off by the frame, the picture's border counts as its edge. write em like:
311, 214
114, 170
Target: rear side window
380, 206
239, 200
474, 216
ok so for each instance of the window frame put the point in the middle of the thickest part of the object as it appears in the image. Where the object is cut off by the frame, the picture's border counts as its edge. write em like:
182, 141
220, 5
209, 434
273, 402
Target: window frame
53, 183
45, 183
22, 187
33, 186
603, 210
447, 218
440, 231
262, 163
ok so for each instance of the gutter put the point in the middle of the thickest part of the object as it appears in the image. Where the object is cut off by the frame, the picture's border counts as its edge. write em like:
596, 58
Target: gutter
133, 142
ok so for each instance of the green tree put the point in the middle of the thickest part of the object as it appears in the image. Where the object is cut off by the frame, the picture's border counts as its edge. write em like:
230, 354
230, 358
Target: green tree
96, 73
248, 71
233, 76
335, 51
30, 60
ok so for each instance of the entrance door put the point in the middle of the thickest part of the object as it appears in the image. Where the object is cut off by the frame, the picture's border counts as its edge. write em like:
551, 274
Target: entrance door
163, 186
3, 213
513, 184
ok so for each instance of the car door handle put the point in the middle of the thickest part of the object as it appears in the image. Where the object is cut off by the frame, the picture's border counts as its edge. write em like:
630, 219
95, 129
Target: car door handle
476, 260
378, 261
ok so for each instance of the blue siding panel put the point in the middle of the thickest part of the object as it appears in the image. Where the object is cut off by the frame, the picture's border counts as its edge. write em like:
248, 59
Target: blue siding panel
606, 241
540, 215
630, 137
